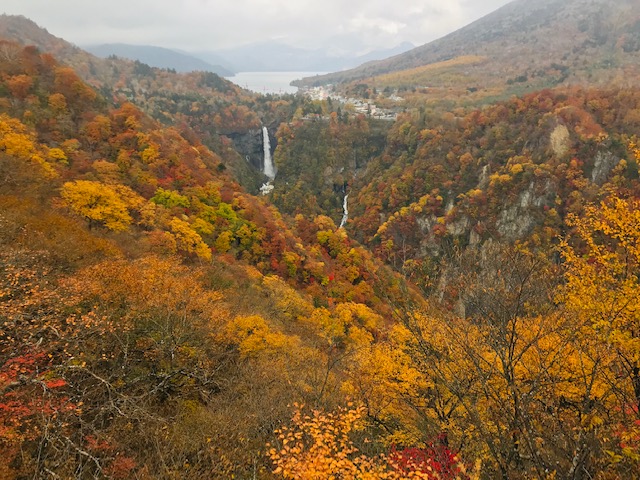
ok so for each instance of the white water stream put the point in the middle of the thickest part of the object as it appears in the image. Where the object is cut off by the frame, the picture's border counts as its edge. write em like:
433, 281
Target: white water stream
345, 215
268, 167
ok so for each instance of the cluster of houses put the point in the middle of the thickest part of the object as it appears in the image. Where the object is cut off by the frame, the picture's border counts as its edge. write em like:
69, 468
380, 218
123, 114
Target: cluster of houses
359, 106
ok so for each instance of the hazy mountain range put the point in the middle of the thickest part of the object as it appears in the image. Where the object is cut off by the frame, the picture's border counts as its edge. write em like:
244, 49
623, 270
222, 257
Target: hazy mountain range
274, 56
158, 57
267, 56
270, 56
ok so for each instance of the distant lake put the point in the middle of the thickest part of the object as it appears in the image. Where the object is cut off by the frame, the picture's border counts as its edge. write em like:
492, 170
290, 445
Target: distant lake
270, 82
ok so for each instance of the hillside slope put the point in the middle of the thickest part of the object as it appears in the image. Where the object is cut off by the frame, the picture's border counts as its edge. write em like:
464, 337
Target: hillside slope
545, 42
158, 321
224, 109
142, 291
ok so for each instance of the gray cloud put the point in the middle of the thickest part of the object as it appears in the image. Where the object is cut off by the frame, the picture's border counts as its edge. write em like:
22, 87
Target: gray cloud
212, 24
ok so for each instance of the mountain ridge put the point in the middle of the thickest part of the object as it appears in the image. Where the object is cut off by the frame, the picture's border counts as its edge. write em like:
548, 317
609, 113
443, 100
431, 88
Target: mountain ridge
273, 56
158, 57
522, 38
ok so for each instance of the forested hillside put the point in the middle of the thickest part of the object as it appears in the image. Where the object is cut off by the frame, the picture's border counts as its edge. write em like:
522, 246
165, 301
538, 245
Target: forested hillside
141, 285
475, 317
522, 47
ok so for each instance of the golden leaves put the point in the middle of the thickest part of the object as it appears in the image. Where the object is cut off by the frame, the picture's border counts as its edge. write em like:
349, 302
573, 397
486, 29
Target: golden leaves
318, 446
17, 141
188, 240
254, 336
97, 203
603, 286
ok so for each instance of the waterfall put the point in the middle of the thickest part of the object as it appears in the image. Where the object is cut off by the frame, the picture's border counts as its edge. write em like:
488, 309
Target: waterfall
269, 170
345, 216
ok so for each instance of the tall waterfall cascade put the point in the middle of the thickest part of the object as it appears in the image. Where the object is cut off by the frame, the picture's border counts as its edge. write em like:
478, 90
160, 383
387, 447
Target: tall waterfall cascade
268, 168
345, 215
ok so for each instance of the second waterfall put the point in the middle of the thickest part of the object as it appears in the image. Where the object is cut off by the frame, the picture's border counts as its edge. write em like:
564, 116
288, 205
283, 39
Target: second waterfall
345, 209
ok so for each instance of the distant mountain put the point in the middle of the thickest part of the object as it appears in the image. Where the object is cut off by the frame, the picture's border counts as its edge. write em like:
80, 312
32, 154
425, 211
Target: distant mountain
542, 43
158, 57
258, 57
382, 54
105, 73
277, 57
20, 29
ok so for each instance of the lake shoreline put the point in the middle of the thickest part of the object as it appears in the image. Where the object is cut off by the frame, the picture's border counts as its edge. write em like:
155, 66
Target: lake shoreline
278, 83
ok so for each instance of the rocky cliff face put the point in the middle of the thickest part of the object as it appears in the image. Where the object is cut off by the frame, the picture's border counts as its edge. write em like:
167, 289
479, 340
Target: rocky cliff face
603, 164
249, 146
519, 219
515, 217
249, 166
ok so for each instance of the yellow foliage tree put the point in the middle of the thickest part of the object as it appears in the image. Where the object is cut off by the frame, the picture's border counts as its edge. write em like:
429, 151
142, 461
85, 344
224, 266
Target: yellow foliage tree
350, 325
253, 335
188, 240
223, 242
17, 141
603, 292
511, 379
98, 203
602, 280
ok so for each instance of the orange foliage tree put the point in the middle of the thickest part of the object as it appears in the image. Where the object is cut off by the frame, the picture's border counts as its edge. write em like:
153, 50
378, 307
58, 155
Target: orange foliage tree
319, 446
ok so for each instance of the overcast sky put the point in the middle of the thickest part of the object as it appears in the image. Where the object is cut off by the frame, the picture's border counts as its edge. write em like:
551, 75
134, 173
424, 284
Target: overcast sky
196, 25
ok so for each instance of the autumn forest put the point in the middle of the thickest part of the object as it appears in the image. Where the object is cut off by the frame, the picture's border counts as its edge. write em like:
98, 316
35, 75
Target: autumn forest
477, 316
